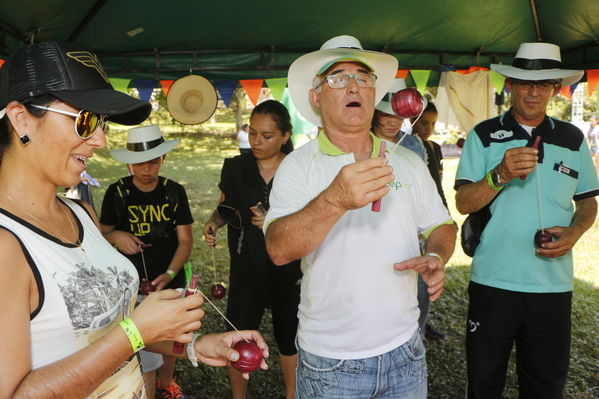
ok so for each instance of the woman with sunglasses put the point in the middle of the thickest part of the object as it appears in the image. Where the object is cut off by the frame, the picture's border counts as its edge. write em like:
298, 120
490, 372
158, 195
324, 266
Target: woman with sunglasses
255, 283
68, 324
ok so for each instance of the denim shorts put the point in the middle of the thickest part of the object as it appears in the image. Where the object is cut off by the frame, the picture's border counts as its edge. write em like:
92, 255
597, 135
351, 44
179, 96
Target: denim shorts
400, 373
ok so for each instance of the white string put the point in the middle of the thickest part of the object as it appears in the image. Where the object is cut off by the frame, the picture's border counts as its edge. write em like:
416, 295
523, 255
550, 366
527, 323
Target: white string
213, 265
539, 198
143, 260
221, 313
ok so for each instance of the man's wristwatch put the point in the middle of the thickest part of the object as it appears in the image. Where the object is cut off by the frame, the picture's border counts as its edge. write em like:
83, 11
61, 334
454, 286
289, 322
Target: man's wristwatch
496, 177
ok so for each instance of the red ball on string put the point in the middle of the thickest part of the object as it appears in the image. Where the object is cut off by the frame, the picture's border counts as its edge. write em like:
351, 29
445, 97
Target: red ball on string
250, 356
146, 287
407, 103
542, 236
218, 291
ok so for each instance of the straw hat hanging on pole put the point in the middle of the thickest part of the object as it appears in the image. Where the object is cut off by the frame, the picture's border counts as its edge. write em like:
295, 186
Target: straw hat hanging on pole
191, 100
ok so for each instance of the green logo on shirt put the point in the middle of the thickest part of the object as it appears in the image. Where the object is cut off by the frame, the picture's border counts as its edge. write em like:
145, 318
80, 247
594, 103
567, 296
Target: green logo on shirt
397, 185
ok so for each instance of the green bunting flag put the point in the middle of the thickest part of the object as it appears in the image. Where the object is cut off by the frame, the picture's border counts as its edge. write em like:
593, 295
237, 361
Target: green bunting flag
120, 84
277, 87
420, 78
497, 80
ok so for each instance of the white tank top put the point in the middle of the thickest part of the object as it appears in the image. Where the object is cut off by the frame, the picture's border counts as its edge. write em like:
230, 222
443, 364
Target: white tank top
83, 293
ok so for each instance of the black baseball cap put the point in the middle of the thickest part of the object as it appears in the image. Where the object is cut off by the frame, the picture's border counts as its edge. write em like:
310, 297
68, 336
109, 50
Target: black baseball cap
70, 73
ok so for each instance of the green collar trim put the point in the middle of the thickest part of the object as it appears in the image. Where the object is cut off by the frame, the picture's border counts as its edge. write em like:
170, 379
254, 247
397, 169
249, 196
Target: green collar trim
329, 148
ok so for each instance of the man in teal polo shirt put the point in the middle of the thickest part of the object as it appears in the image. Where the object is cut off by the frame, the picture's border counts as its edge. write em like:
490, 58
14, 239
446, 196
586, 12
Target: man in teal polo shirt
543, 169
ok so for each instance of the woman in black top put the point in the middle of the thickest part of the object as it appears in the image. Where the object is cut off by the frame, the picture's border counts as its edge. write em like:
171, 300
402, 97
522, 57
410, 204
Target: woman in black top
255, 283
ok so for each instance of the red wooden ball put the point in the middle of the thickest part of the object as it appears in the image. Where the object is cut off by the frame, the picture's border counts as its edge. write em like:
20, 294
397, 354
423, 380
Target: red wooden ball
218, 291
407, 103
542, 236
461, 142
146, 287
250, 356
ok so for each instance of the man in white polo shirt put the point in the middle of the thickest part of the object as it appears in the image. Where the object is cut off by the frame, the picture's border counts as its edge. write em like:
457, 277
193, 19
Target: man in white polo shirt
358, 331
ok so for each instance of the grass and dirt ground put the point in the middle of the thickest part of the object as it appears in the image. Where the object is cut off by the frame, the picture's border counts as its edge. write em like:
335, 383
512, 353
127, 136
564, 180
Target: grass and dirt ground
196, 164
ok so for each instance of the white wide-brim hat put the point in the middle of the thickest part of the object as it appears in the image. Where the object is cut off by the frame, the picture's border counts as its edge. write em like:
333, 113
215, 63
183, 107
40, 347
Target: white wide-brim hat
385, 104
144, 143
338, 49
538, 61
191, 100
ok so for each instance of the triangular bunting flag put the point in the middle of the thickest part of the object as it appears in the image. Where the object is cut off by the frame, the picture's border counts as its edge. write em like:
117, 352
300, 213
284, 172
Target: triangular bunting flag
592, 79
402, 73
277, 87
497, 80
120, 84
573, 87
226, 88
144, 87
1, 63
252, 88
565, 91
166, 85
420, 78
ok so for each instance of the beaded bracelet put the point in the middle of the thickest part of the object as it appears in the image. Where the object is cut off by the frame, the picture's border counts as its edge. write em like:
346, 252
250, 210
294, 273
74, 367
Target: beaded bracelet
137, 343
191, 353
436, 256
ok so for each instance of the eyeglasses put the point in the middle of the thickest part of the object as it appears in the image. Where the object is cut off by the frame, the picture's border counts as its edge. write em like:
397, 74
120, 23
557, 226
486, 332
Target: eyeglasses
86, 122
540, 84
341, 81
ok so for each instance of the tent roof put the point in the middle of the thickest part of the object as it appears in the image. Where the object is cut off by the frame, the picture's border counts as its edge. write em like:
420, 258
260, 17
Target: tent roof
235, 39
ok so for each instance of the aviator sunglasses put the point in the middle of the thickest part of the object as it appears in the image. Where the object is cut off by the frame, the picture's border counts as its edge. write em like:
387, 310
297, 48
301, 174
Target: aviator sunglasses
86, 122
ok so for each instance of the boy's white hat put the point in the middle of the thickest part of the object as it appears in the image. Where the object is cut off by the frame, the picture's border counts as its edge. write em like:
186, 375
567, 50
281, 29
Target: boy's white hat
144, 143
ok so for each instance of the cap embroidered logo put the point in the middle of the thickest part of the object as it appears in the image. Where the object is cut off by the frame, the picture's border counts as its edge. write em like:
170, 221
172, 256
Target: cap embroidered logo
90, 60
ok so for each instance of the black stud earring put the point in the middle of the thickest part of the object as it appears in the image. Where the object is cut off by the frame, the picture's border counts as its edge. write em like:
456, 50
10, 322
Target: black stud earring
24, 139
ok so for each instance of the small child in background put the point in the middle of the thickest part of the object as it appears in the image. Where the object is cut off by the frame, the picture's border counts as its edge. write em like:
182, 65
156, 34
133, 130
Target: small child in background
147, 218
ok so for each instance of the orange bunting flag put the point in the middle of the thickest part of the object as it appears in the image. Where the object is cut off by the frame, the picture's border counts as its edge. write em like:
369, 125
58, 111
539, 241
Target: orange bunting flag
1, 63
565, 91
471, 69
402, 73
252, 88
166, 85
592, 79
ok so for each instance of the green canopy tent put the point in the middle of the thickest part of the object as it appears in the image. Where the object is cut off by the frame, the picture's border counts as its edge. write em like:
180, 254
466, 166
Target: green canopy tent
225, 40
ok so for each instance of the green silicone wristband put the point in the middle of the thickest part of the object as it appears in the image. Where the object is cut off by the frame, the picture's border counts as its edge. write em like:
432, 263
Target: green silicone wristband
137, 343
491, 184
171, 273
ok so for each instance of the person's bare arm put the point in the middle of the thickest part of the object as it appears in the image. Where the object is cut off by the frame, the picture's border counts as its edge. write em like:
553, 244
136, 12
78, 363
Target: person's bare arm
79, 374
294, 236
441, 241
185, 244
517, 162
583, 219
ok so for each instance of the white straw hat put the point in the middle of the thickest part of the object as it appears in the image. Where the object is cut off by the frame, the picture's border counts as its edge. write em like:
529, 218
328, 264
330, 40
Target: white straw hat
538, 61
341, 48
144, 143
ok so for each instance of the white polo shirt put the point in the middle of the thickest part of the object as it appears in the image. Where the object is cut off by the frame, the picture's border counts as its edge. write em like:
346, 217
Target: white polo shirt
353, 303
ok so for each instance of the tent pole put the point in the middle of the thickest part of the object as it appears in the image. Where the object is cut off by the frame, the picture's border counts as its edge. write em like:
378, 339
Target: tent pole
85, 22
535, 19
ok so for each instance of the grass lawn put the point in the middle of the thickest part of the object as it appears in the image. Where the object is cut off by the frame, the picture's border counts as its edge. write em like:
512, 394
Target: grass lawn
196, 164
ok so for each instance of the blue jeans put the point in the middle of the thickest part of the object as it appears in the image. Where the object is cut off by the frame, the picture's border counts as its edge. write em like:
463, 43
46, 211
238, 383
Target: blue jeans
399, 374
